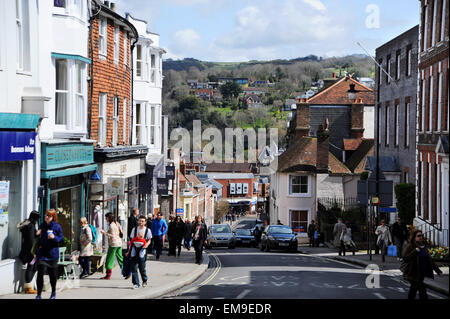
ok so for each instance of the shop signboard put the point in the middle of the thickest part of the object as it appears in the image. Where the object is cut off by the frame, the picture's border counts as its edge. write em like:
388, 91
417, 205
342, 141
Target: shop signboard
180, 211
4, 201
56, 156
162, 186
115, 187
170, 172
17, 146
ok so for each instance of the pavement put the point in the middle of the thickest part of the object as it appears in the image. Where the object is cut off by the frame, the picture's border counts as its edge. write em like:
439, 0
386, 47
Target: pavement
391, 265
167, 274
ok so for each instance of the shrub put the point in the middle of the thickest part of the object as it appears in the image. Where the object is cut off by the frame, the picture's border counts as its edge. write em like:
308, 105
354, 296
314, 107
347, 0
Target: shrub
405, 194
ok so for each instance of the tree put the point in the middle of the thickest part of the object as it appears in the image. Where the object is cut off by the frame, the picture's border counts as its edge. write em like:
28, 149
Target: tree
405, 195
222, 209
191, 108
230, 90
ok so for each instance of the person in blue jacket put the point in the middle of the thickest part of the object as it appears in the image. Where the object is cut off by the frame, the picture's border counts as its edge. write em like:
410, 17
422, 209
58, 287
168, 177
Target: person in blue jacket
159, 229
50, 235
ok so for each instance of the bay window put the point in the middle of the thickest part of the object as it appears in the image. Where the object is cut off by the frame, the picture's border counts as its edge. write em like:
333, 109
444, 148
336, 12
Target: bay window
62, 92
153, 68
139, 61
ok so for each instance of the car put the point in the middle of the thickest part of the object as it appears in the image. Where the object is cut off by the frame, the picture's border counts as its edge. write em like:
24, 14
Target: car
279, 237
244, 237
220, 235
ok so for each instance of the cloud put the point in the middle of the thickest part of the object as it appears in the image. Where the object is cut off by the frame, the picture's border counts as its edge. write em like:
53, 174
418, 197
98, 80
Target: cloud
316, 4
185, 41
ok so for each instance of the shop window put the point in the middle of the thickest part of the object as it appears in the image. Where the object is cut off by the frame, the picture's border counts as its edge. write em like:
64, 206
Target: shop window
299, 221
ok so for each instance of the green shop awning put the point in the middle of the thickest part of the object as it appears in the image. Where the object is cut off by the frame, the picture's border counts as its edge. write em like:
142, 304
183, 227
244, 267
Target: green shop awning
71, 57
19, 121
68, 171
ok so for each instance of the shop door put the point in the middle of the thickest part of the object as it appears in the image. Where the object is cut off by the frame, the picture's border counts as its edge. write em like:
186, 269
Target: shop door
9, 235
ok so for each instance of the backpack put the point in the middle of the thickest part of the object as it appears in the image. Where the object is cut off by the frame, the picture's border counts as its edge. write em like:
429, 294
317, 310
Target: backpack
94, 233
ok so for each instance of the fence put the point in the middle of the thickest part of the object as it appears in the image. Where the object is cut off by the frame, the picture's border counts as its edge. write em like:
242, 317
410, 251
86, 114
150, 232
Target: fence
437, 235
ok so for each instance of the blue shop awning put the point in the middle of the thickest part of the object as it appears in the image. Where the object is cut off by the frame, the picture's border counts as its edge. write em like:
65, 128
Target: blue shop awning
68, 171
18, 121
71, 57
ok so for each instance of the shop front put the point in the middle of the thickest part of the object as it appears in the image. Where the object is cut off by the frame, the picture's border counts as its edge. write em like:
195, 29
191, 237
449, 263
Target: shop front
66, 169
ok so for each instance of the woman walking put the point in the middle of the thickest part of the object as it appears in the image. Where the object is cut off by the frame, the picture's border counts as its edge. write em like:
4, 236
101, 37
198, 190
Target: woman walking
384, 238
199, 235
86, 248
417, 264
114, 244
179, 233
348, 239
47, 255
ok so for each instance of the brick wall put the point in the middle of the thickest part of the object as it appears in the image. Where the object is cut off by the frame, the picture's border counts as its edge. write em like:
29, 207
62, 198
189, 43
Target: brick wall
112, 79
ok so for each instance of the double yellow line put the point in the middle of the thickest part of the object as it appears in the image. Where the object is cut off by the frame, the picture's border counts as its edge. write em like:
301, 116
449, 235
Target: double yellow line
211, 277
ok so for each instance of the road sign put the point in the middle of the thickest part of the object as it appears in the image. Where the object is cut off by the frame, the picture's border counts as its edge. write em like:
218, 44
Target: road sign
388, 210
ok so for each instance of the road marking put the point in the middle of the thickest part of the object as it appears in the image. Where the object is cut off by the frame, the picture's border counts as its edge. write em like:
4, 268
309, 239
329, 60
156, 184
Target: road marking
211, 277
379, 295
243, 294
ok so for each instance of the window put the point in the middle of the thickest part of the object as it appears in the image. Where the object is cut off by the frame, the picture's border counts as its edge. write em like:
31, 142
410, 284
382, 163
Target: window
430, 105
439, 103
59, 3
22, 35
408, 61
397, 123
139, 61
380, 72
299, 221
124, 120
433, 23
153, 70
422, 122
397, 65
116, 45
425, 28
103, 37
62, 92
388, 69
116, 121
386, 127
152, 125
407, 114
443, 12
141, 128
79, 94
125, 49
298, 184
103, 101
77, 8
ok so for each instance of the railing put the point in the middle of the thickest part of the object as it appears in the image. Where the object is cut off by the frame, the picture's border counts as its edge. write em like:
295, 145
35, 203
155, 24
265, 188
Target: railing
338, 203
437, 235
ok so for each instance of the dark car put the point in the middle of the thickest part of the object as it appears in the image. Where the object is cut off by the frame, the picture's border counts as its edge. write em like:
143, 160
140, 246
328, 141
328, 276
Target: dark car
244, 237
279, 237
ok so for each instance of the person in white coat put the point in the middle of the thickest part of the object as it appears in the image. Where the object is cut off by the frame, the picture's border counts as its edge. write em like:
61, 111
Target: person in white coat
384, 238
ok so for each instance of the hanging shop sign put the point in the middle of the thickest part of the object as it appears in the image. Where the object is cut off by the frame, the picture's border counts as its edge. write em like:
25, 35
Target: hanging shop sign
170, 172
115, 187
4, 201
162, 187
17, 146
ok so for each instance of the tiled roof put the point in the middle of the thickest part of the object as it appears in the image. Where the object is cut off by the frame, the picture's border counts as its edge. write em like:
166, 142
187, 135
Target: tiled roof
352, 144
301, 156
193, 179
356, 162
336, 94
230, 167
336, 166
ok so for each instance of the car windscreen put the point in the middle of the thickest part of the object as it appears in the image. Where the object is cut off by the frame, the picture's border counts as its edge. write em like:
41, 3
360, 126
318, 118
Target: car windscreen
280, 230
221, 229
243, 232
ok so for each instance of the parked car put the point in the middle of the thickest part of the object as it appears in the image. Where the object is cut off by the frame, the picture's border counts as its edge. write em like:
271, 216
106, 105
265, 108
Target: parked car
279, 237
244, 237
220, 235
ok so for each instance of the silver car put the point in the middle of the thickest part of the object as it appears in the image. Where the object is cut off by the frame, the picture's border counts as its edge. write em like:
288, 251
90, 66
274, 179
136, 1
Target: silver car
220, 235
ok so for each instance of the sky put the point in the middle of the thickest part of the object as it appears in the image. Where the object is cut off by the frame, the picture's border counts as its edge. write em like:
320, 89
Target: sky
244, 30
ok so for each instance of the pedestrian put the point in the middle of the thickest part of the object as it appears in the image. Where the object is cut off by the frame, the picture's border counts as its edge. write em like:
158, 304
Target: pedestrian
187, 234
257, 233
199, 232
86, 248
338, 233
114, 235
348, 241
141, 238
316, 236
28, 231
400, 234
47, 254
417, 264
133, 221
179, 233
384, 238
311, 229
171, 237
159, 229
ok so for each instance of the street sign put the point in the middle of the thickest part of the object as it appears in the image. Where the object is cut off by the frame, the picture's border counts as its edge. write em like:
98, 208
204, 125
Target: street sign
388, 210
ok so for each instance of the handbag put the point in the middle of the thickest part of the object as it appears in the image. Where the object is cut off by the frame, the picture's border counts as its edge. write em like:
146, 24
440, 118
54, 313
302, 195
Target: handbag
392, 251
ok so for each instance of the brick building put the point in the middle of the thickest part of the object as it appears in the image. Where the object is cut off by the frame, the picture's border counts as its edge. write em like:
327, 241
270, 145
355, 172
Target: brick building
111, 42
433, 121
397, 104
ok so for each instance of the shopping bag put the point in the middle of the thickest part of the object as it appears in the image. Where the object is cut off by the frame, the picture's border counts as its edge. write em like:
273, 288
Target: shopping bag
392, 251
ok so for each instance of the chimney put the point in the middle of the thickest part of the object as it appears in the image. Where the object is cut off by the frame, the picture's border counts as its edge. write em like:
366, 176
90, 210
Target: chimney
106, 3
357, 125
113, 6
329, 81
302, 121
323, 135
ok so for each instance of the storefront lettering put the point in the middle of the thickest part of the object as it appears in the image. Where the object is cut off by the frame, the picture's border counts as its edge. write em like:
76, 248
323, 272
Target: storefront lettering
64, 155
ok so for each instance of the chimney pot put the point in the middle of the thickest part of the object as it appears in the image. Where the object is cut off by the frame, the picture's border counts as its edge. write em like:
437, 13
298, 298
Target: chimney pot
113, 6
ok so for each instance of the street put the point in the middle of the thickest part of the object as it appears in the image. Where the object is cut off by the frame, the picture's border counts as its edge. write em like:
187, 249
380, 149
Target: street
248, 273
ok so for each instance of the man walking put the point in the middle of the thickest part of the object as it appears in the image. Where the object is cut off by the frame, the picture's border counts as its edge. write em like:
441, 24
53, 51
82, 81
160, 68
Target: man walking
311, 230
400, 234
141, 237
159, 229
339, 231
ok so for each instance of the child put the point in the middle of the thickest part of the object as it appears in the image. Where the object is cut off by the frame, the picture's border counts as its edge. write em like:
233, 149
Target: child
137, 243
